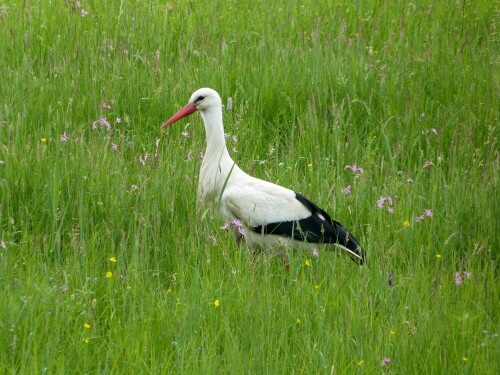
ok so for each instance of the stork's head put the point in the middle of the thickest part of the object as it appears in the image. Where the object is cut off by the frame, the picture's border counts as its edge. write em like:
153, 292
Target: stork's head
202, 100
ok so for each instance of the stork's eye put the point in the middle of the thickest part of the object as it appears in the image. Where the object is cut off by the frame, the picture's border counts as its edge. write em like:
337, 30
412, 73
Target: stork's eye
199, 98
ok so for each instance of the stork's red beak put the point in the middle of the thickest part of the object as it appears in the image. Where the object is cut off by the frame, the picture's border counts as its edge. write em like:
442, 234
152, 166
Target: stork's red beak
183, 112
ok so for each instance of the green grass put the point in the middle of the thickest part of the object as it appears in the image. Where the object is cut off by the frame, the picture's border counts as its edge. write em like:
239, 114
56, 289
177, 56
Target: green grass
316, 86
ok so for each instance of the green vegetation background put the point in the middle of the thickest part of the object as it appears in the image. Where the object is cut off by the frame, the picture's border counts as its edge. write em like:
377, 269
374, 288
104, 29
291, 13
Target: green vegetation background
104, 267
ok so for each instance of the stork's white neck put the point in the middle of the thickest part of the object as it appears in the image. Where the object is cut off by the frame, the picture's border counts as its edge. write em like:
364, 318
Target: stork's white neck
217, 163
214, 131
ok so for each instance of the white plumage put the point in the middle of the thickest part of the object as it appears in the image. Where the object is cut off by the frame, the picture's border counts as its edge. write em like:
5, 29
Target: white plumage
272, 217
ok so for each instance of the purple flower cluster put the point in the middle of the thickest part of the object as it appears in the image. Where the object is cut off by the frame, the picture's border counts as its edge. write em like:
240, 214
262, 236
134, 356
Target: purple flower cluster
385, 202
427, 213
236, 224
103, 122
346, 190
355, 169
78, 6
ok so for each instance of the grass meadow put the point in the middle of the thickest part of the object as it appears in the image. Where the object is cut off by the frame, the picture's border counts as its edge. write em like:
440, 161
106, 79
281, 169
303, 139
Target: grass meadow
385, 113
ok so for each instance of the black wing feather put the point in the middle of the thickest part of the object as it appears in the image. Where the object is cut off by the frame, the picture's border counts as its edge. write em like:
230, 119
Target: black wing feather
319, 227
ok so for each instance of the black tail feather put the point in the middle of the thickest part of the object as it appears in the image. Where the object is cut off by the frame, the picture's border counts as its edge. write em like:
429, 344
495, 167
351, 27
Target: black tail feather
317, 228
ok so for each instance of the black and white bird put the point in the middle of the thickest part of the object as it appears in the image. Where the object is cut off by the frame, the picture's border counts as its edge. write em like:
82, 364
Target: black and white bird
268, 215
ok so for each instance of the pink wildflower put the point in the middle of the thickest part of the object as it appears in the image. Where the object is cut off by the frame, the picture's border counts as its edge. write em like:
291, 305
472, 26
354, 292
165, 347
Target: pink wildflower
83, 13
185, 134
385, 201
355, 169
346, 190
63, 288
3, 245
225, 226
458, 278
315, 253
118, 120
64, 137
103, 122
385, 361
189, 155
427, 213
114, 147
238, 225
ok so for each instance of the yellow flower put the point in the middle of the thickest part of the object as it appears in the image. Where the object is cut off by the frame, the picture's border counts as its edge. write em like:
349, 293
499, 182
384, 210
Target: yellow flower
112, 259
316, 286
297, 321
307, 263
86, 341
438, 256
310, 165
43, 139
216, 303
393, 332
361, 363
109, 274
86, 325
465, 359
406, 224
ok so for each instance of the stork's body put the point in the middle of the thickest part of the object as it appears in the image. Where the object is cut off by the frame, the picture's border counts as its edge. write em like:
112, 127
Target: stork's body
272, 217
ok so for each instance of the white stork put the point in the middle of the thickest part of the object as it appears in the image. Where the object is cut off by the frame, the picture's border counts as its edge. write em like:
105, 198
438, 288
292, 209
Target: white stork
271, 216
